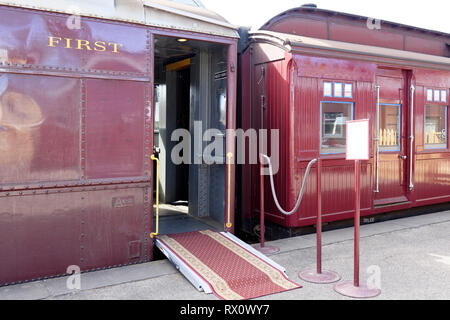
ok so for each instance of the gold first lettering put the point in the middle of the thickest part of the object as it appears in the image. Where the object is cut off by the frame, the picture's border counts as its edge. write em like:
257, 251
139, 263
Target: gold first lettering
79, 44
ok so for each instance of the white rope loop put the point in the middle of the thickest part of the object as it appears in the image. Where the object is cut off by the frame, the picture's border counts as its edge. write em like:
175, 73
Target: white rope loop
302, 190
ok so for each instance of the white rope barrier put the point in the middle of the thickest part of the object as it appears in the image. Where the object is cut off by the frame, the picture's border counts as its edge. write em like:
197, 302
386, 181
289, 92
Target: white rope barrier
302, 190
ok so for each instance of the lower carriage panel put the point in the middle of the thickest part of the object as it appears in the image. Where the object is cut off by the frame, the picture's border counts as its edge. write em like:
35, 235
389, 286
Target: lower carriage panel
41, 235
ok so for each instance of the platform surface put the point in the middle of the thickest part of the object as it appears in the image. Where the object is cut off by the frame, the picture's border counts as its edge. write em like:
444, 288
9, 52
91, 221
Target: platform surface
412, 256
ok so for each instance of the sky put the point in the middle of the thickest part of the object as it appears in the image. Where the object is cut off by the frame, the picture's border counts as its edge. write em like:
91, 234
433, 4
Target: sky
427, 14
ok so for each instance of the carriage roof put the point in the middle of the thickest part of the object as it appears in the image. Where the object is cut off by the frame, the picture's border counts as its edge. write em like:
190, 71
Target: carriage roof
187, 15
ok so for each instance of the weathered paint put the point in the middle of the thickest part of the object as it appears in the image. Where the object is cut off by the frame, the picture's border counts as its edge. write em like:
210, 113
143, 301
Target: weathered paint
76, 136
294, 89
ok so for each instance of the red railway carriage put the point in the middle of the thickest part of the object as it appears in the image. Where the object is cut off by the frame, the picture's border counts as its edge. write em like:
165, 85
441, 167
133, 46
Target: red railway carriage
86, 92
89, 91
307, 72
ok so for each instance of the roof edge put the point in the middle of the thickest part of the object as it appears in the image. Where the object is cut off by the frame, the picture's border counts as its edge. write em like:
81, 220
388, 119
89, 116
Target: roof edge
290, 42
135, 13
190, 15
353, 16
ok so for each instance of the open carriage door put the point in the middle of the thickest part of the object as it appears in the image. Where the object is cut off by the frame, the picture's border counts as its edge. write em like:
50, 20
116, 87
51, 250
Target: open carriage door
393, 152
208, 129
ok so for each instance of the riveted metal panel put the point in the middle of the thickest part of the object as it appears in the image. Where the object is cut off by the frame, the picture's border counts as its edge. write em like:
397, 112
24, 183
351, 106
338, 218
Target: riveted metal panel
45, 42
42, 233
39, 235
112, 227
115, 47
114, 128
39, 129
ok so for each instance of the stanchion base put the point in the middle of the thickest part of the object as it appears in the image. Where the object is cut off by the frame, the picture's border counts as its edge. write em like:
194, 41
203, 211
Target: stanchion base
322, 278
266, 249
348, 289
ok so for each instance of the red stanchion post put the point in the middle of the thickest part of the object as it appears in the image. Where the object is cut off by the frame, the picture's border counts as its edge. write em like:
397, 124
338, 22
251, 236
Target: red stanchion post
262, 247
319, 275
319, 216
357, 149
357, 221
261, 204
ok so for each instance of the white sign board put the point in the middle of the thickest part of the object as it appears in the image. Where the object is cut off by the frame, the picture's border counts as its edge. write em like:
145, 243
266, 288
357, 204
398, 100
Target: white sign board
358, 140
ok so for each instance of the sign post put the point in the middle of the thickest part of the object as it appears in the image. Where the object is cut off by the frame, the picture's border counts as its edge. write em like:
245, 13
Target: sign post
262, 247
357, 150
319, 275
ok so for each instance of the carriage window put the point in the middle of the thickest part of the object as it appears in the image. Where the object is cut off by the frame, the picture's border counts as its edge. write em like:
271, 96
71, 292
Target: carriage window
429, 95
348, 90
437, 95
334, 116
338, 90
443, 96
389, 127
435, 127
327, 89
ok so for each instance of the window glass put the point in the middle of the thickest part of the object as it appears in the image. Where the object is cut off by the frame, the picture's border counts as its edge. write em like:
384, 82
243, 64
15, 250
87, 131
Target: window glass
435, 126
327, 89
348, 90
334, 116
437, 95
443, 96
429, 95
338, 90
390, 131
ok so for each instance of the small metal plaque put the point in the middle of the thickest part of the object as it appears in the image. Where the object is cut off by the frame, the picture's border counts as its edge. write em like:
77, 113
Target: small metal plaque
123, 202
220, 75
134, 249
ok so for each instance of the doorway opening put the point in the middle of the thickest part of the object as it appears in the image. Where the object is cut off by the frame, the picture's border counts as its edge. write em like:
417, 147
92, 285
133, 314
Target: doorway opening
189, 98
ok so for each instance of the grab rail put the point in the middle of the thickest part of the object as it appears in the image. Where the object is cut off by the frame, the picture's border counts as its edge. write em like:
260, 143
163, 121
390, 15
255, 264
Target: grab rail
154, 234
230, 158
302, 190
377, 143
411, 140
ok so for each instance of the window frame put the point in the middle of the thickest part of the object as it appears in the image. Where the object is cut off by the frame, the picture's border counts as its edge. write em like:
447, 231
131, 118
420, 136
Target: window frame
333, 97
321, 136
399, 122
433, 100
429, 147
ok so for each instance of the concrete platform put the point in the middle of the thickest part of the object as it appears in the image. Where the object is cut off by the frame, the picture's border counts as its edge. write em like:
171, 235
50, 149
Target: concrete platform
412, 256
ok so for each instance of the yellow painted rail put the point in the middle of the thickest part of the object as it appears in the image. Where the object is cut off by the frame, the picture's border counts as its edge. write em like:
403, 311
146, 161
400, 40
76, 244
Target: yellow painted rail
230, 157
155, 234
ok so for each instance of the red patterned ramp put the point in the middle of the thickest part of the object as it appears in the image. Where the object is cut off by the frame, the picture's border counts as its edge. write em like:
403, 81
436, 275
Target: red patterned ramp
233, 272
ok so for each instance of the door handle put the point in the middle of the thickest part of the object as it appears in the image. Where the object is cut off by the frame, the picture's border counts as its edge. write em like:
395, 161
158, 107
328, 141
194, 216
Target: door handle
403, 157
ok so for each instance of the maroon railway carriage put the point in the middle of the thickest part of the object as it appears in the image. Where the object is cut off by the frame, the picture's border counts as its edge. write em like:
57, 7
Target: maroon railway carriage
90, 90
310, 70
77, 115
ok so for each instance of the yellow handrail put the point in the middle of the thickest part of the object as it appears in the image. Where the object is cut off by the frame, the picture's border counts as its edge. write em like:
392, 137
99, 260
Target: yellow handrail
154, 234
230, 157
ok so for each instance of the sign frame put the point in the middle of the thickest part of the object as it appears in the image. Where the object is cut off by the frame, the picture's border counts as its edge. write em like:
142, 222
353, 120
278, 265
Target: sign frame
357, 132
